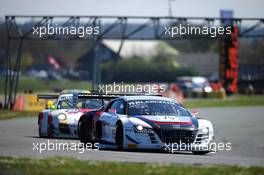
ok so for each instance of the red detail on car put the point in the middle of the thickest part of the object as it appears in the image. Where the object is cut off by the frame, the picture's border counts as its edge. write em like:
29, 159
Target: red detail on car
82, 110
112, 110
98, 113
40, 118
85, 110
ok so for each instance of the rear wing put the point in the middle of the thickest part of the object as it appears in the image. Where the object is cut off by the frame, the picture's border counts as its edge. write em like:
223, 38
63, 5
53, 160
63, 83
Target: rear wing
111, 96
92, 95
97, 96
47, 96
124, 94
80, 95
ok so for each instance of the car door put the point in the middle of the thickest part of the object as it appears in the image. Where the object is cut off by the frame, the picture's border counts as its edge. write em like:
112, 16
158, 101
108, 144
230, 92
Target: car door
109, 119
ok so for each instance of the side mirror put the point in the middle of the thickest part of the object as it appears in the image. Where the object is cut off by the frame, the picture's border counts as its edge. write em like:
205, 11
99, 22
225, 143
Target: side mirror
194, 113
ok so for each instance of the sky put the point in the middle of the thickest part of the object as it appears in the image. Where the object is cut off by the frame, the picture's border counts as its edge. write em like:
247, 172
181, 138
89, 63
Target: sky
189, 8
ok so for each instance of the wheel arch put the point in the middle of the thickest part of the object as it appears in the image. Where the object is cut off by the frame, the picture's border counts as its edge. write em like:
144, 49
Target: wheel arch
206, 123
86, 116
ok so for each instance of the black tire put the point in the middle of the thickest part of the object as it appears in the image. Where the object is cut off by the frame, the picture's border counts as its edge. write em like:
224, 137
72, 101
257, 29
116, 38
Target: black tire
40, 135
119, 137
203, 152
200, 152
86, 134
84, 131
98, 130
50, 135
39, 127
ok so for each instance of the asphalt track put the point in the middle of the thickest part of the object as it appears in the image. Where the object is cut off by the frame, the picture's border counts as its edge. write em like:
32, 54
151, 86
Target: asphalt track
241, 126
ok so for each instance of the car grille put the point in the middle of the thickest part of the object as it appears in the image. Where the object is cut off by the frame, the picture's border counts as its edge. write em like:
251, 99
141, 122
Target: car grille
201, 138
177, 136
64, 128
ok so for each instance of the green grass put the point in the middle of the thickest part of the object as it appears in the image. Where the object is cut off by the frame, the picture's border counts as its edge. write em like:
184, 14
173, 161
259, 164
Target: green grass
70, 166
237, 100
7, 114
46, 86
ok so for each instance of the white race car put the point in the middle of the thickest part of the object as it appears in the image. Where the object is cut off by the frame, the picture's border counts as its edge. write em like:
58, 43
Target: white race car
61, 121
146, 122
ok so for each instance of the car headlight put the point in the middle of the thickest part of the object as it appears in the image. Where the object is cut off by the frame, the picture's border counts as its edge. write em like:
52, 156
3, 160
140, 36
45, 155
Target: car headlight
204, 131
62, 117
139, 127
208, 89
142, 129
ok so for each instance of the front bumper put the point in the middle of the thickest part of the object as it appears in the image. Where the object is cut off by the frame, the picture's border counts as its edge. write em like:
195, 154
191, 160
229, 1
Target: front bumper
64, 130
172, 140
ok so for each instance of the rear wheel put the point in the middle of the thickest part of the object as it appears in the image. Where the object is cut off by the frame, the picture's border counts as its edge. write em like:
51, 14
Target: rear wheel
119, 137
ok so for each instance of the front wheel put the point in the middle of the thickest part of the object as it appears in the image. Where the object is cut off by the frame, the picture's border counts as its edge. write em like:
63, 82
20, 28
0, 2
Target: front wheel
200, 152
119, 137
86, 135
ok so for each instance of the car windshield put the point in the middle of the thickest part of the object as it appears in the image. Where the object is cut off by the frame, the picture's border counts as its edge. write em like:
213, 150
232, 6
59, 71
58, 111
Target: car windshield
156, 107
90, 103
81, 103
